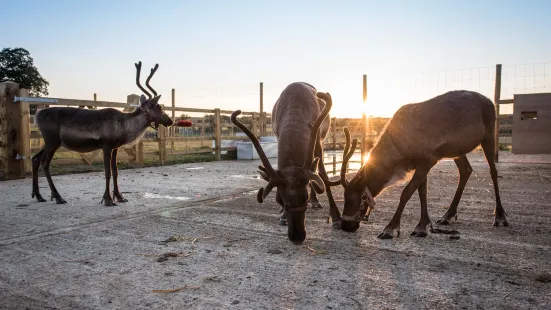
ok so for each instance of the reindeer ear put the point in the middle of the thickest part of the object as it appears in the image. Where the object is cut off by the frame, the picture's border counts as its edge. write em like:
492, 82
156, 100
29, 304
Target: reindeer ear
143, 99
155, 99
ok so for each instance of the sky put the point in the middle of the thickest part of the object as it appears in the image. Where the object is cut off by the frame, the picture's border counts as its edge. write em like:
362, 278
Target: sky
215, 53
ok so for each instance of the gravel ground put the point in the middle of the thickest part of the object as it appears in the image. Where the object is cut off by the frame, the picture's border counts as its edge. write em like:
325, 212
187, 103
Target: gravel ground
194, 237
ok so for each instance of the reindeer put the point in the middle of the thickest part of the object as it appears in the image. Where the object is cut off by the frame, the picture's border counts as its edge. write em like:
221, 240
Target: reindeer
298, 142
416, 138
87, 130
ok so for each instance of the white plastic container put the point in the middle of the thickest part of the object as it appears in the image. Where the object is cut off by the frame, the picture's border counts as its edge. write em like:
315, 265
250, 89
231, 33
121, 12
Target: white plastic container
246, 150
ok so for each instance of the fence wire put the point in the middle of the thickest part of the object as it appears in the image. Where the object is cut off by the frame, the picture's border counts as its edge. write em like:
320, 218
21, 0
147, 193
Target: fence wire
515, 79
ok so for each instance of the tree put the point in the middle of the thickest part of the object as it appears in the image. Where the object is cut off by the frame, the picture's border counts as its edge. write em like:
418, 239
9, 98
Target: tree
17, 65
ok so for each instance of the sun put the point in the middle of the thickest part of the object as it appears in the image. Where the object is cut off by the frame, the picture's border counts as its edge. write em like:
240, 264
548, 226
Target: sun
384, 96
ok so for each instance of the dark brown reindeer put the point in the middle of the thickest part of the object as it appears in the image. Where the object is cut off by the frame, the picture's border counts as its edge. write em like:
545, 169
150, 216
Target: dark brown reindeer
297, 108
87, 130
416, 138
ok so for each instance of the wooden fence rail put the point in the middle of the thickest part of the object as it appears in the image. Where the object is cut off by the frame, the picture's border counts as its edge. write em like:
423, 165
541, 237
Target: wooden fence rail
20, 139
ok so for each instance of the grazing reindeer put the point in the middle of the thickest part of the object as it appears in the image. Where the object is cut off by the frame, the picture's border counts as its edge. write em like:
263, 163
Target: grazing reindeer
416, 138
298, 141
87, 130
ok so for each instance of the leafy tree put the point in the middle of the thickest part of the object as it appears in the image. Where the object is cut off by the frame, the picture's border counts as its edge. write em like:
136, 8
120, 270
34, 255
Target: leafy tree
17, 65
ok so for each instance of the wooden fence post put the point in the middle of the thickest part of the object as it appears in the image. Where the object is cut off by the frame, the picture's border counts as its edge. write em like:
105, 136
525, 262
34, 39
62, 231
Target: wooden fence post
497, 97
264, 123
173, 128
217, 135
262, 118
254, 124
334, 131
364, 119
138, 146
11, 136
24, 125
161, 138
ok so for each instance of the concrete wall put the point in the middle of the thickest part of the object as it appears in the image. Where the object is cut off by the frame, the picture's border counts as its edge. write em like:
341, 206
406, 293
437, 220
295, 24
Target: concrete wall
532, 136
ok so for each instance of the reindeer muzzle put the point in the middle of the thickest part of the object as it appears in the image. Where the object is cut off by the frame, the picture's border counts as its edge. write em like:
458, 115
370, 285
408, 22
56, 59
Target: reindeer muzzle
367, 204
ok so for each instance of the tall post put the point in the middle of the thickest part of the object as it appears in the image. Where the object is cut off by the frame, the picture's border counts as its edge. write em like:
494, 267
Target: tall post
95, 99
334, 131
138, 146
217, 135
264, 123
161, 139
497, 97
11, 118
262, 118
24, 124
254, 124
173, 128
364, 118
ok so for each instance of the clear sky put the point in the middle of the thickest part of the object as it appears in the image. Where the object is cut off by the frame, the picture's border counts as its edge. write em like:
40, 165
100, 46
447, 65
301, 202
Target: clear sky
214, 53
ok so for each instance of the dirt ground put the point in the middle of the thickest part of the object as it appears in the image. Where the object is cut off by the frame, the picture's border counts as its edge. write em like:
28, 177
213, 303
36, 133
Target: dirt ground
194, 237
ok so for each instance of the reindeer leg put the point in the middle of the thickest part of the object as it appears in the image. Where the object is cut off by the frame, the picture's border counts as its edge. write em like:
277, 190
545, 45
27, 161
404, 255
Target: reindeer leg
488, 146
37, 159
418, 178
115, 171
465, 171
421, 228
334, 212
283, 217
313, 201
107, 151
49, 151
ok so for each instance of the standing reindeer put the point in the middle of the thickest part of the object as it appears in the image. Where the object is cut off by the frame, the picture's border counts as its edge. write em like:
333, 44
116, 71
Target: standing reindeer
297, 108
87, 130
416, 138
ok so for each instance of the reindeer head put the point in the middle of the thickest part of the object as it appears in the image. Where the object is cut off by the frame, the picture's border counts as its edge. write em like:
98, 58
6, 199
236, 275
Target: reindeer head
291, 182
357, 197
150, 106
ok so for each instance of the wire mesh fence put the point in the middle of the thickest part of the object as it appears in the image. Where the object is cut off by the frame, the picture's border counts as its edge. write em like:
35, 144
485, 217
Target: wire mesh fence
515, 79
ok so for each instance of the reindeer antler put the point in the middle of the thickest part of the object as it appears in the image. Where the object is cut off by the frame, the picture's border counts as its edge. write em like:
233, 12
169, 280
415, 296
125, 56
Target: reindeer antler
273, 179
138, 71
149, 78
347, 154
314, 129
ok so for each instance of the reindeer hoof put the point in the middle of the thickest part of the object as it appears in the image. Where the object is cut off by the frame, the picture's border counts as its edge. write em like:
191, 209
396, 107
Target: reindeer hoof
385, 235
120, 199
38, 197
502, 221
446, 219
336, 225
58, 199
315, 205
282, 221
389, 232
109, 204
420, 233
